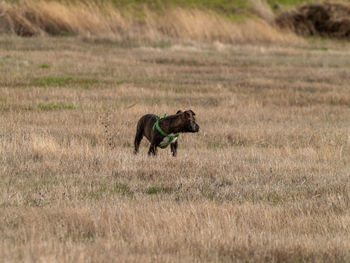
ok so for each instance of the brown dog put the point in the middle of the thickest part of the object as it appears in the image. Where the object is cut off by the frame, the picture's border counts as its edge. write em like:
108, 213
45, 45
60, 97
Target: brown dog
166, 132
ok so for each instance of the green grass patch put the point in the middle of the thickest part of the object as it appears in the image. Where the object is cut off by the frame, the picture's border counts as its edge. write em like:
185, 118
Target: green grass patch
273, 198
319, 48
56, 106
221, 5
158, 190
137, 7
208, 193
65, 82
127, 145
44, 66
236, 17
289, 3
161, 44
15, 107
122, 189
234, 9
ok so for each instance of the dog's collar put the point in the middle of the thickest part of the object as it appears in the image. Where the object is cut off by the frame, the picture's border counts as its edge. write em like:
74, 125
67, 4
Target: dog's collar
156, 126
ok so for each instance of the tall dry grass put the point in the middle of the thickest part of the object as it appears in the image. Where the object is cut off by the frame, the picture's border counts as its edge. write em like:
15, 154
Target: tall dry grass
88, 19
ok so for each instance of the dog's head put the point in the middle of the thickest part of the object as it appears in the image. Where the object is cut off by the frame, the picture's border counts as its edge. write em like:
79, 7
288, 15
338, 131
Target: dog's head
188, 121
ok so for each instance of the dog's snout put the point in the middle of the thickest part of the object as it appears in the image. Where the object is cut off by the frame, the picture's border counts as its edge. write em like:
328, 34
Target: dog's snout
197, 128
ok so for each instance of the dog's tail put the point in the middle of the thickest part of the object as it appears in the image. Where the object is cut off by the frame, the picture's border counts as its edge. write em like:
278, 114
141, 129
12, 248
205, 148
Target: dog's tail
139, 135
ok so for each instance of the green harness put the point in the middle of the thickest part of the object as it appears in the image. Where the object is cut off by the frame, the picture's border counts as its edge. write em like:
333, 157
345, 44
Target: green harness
156, 126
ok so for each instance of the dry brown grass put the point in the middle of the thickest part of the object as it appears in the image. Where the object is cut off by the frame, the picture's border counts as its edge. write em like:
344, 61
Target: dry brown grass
321, 19
265, 180
33, 17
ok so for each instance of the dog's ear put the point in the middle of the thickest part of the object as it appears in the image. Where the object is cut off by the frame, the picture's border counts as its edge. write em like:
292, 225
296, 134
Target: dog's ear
188, 114
179, 111
192, 112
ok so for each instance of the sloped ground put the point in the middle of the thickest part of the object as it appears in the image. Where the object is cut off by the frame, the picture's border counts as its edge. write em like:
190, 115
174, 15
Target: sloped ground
231, 25
89, 19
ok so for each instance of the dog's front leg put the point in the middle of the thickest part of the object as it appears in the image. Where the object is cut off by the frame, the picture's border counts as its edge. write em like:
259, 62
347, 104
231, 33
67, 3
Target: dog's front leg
152, 150
173, 147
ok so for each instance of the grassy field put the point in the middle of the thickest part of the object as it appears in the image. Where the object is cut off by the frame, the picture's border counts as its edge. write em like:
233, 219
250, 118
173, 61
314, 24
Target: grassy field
266, 179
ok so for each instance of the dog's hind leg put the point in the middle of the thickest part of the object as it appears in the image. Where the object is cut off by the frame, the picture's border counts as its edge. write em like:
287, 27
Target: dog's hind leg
173, 147
138, 137
152, 150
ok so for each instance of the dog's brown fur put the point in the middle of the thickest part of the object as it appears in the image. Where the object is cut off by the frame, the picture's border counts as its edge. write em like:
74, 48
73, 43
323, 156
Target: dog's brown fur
177, 123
